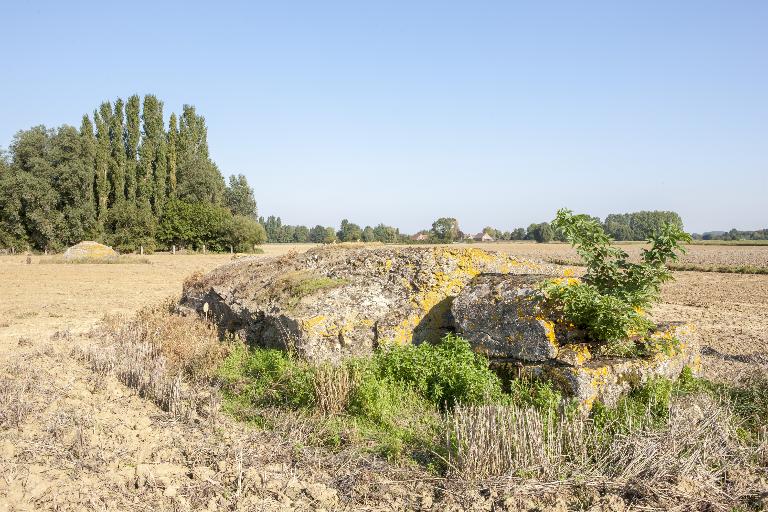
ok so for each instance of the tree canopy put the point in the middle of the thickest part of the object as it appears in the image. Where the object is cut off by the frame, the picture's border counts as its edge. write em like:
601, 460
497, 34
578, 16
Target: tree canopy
113, 179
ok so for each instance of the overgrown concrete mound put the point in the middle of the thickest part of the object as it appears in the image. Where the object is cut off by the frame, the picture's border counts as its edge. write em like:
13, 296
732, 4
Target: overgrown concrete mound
337, 301
503, 317
333, 302
88, 250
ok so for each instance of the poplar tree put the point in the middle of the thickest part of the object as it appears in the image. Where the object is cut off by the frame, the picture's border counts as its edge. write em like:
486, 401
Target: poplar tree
173, 139
102, 167
88, 173
160, 163
198, 178
132, 135
118, 154
147, 152
105, 109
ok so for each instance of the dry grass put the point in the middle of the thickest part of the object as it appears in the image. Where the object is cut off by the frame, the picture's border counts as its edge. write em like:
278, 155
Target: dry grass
17, 387
493, 440
726, 256
695, 456
685, 267
726, 269
333, 386
167, 358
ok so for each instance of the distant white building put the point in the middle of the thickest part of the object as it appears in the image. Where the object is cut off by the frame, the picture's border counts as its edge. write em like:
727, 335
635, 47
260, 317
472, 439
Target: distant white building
483, 237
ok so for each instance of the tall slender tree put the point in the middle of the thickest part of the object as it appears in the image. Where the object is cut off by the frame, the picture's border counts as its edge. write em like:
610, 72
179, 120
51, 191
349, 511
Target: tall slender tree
132, 136
160, 164
147, 151
173, 140
198, 178
105, 110
102, 167
119, 161
88, 174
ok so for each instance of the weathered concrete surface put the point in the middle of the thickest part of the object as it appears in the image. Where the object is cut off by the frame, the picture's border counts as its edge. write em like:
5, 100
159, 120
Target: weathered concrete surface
335, 301
606, 379
88, 250
503, 316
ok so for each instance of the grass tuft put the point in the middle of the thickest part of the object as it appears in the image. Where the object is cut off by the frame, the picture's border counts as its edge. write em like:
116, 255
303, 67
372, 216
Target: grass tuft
297, 285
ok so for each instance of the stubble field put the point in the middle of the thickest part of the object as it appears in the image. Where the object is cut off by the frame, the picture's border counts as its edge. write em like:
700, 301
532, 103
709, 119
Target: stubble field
70, 440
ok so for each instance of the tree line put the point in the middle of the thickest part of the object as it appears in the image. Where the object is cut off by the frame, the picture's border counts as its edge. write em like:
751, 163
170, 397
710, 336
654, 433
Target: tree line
629, 226
733, 234
625, 226
277, 232
123, 178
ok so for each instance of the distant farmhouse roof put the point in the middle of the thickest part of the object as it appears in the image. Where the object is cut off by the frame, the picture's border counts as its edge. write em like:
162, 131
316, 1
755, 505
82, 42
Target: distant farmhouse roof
420, 237
483, 237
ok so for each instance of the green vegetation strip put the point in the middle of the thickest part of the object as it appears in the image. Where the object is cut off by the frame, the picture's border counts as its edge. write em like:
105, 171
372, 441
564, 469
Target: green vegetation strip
395, 402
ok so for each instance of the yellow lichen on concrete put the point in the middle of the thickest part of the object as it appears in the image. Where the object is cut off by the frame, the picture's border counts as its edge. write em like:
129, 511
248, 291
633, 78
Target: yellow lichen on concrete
468, 263
403, 333
549, 330
568, 281
576, 353
319, 326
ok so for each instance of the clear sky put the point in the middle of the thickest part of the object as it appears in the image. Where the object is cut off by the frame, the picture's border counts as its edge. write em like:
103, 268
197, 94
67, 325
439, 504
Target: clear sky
496, 113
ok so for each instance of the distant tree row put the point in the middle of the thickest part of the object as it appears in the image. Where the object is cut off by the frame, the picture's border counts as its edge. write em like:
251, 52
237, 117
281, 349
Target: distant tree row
277, 232
123, 179
639, 225
624, 226
733, 234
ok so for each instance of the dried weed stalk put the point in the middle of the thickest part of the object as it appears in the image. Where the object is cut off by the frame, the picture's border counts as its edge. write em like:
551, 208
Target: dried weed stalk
333, 386
167, 358
693, 457
17, 393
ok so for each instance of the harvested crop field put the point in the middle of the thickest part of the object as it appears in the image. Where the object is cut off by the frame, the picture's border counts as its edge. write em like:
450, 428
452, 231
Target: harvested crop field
697, 254
71, 438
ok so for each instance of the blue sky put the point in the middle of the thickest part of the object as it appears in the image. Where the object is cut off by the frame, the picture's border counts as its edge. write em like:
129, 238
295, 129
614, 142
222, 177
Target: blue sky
400, 112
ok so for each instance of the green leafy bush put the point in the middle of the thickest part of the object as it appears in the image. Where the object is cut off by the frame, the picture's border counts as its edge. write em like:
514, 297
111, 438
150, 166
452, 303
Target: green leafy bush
445, 373
203, 224
646, 406
609, 301
537, 394
608, 267
604, 317
394, 396
266, 377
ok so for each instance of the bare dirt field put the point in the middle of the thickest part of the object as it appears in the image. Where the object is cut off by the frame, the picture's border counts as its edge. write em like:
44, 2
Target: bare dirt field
708, 255
71, 441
